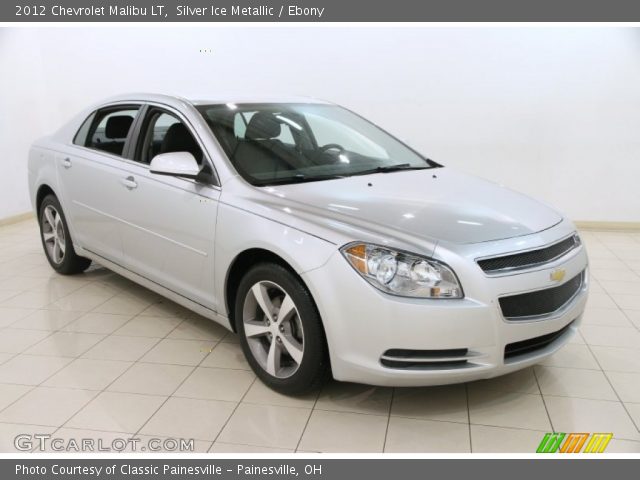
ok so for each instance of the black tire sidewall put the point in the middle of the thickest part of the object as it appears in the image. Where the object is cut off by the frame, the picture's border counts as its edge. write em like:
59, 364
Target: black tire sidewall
70, 262
314, 361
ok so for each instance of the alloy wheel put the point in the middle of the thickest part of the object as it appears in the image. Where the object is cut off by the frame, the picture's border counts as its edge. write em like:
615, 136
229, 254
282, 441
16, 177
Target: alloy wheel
273, 329
53, 234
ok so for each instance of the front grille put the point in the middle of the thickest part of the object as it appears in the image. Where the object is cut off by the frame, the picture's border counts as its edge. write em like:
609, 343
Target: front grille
425, 359
524, 347
541, 302
531, 258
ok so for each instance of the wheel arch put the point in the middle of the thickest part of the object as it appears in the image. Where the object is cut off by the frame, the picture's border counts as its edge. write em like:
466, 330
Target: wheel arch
43, 190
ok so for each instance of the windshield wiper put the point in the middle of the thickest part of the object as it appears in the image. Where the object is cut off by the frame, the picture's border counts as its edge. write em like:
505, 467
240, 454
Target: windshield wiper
391, 168
299, 178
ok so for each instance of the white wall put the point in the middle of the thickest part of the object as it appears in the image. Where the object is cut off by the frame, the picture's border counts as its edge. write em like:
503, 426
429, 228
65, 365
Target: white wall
552, 112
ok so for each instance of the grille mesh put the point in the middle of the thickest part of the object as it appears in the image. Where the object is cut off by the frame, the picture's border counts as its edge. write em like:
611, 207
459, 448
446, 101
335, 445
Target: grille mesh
540, 302
530, 258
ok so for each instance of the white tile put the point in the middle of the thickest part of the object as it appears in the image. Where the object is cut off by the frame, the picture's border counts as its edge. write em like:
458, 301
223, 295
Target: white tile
11, 393
618, 359
199, 329
149, 327
355, 398
65, 344
611, 336
447, 403
574, 382
572, 356
605, 316
344, 432
486, 439
508, 409
88, 374
12, 315
122, 305
121, 348
151, 379
407, 435
260, 394
265, 425
226, 355
117, 412
190, 418
628, 302
582, 415
523, 381
31, 369
46, 406
18, 340
50, 320
216, 384
626, 384
220, 447
600, 300
167, 308
178, 352
102, 323
30, 299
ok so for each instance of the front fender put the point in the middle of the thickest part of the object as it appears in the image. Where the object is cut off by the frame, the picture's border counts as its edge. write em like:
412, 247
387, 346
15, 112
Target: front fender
239, 230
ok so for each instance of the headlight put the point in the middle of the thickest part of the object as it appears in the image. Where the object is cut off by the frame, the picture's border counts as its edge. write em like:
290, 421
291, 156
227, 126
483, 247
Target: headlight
401, 273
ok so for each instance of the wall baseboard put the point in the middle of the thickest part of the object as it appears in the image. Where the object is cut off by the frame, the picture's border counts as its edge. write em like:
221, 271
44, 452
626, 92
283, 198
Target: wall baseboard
608, 226
16, 218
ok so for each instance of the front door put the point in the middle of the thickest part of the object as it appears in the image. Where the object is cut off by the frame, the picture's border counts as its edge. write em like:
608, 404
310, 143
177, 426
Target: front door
169, 229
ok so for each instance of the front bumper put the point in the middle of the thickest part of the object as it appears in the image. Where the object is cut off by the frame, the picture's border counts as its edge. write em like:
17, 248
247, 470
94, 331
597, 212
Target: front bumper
362, 323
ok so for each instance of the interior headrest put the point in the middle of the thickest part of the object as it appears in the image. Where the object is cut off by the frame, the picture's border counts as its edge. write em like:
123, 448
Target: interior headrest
118, 126
262, 126
179, 139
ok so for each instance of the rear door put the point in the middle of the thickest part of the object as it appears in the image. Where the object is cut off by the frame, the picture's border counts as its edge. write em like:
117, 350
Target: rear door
92, 182
169, 224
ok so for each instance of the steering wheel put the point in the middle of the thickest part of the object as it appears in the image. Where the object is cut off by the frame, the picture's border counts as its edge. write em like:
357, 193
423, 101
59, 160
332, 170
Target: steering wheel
331, 146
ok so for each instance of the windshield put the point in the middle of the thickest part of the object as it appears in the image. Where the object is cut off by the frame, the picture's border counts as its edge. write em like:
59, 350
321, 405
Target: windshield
289, 143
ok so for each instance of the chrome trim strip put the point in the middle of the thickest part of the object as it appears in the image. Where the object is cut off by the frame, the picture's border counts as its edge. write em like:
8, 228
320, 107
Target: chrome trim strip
507, 270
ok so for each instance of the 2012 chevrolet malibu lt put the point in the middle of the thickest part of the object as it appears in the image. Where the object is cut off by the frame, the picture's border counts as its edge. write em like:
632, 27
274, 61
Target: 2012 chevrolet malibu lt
324, 242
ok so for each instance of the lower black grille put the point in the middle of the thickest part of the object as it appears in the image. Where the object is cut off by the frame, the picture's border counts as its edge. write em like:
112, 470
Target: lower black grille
523, 347
541, 302
424, 359
531, 258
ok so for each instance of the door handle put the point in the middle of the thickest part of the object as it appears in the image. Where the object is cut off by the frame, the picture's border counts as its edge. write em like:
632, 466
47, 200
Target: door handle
66, 163
129, 182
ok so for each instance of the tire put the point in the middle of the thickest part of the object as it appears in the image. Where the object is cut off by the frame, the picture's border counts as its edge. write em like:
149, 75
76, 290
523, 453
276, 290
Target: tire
56, 239
299, 362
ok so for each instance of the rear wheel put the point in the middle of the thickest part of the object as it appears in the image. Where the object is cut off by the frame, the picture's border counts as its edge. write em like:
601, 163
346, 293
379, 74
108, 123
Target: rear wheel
56, 239
280, 330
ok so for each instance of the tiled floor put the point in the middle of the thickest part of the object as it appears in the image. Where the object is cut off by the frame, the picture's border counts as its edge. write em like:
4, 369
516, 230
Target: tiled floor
97, 356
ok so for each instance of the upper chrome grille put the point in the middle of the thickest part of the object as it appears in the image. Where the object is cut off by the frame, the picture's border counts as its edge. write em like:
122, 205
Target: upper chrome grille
529, 259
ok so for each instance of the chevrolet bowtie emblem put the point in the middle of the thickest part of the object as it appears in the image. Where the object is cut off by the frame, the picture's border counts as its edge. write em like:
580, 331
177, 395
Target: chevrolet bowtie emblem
558, 274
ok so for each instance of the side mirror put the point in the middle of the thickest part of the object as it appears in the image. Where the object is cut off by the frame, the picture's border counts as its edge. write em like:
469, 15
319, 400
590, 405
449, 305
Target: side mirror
175, 164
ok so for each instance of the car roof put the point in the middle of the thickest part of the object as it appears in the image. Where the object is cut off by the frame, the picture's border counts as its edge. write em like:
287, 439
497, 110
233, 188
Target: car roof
199, 99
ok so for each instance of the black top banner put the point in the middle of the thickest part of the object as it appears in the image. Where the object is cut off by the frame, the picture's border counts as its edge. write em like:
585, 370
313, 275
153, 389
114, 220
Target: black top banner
319, 11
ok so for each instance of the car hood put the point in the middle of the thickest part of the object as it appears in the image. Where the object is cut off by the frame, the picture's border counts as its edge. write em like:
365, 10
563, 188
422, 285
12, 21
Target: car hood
438, 204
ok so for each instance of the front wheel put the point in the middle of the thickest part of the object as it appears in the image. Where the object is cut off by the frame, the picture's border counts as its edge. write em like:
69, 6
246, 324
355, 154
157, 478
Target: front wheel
280, 330
56, 239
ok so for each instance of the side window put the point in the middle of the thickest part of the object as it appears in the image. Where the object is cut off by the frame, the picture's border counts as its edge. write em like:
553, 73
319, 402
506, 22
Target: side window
110, 128
163, 132
83, 131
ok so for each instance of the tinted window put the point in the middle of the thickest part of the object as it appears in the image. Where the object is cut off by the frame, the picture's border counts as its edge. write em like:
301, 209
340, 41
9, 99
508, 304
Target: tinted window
165, 133
81, 136
110, 129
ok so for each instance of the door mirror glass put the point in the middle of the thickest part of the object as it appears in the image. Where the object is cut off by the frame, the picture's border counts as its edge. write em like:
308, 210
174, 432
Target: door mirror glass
175, 164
